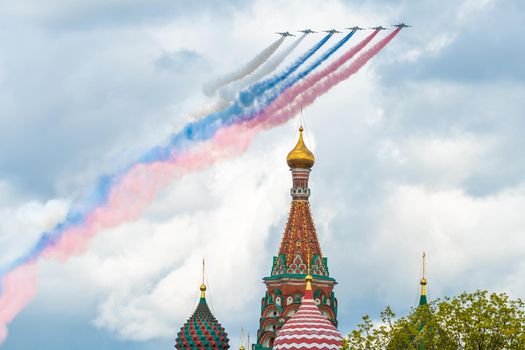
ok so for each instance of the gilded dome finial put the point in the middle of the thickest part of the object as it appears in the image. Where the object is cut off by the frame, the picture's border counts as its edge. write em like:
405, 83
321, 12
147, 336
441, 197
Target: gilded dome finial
300, 156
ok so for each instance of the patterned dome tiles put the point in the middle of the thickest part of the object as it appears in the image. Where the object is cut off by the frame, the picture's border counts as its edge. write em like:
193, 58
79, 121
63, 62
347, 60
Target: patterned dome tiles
308, 329
202, 331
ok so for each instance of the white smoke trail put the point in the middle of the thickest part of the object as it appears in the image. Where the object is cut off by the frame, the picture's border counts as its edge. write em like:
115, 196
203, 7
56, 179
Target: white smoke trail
211, 87
230, 92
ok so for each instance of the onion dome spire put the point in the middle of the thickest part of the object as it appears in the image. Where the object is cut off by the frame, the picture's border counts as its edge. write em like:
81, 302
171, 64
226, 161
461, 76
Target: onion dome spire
202, 330
308, 328
300, 156
423, 282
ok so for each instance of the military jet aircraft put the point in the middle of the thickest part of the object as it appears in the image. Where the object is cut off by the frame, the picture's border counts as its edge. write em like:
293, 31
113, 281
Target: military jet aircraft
355, 28
379, 28
284, 34
401, 25
307, 31
332, 31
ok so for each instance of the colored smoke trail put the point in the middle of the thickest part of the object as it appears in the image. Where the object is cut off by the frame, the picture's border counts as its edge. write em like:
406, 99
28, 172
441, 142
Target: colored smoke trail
18, 289
138, 187
213, 107
118, 198
145, 180
273, 100
195, 131
229, 92
305, 93
244, 105
261, 87
290, 88
323, 58
211, 87
126, 202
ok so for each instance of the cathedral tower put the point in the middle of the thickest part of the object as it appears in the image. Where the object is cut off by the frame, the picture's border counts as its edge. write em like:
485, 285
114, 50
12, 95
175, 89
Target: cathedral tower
299, 249
202, 330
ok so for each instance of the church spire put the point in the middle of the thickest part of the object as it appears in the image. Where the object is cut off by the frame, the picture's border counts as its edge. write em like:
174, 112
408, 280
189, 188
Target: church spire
423, 282
203, 286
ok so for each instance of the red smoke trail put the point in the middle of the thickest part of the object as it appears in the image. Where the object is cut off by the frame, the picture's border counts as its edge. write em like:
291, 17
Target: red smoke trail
127, 202
306, 93
313, 79
18, 288
139, 187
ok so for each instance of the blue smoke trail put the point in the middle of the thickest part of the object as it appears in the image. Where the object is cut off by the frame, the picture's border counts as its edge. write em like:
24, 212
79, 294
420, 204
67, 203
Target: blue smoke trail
260, 88
318, 62
287, 84
206, 127
199, 130
230, 92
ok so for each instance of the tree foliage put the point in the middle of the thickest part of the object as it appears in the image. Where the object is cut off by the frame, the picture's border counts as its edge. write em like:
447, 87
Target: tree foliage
476, 321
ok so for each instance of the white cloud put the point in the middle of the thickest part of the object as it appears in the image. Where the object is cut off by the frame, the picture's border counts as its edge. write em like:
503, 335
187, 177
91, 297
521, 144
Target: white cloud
469, 241
437, 160
22, 223
147, 272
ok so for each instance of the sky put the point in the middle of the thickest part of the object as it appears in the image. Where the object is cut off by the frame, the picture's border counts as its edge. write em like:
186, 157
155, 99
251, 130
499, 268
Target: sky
420, 151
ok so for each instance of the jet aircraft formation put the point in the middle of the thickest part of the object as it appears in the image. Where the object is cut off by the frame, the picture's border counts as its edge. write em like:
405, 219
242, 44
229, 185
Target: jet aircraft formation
335, 31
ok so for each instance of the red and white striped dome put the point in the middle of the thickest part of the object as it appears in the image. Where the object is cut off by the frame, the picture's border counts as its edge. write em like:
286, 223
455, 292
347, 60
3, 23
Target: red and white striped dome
308, 329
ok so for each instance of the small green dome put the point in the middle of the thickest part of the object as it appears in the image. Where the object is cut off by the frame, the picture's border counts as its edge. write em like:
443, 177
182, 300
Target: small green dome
202, 331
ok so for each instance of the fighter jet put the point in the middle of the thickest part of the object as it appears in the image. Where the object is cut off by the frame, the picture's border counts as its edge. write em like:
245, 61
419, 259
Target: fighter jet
355, 28
332, 31
401, 25
284, 34
307, 31
379, 28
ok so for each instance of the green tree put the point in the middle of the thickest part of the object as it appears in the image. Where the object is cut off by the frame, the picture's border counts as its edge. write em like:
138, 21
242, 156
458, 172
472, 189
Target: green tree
476, 321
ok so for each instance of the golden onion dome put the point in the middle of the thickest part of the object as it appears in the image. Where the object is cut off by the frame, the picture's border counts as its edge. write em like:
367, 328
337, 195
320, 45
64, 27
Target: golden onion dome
300, 156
